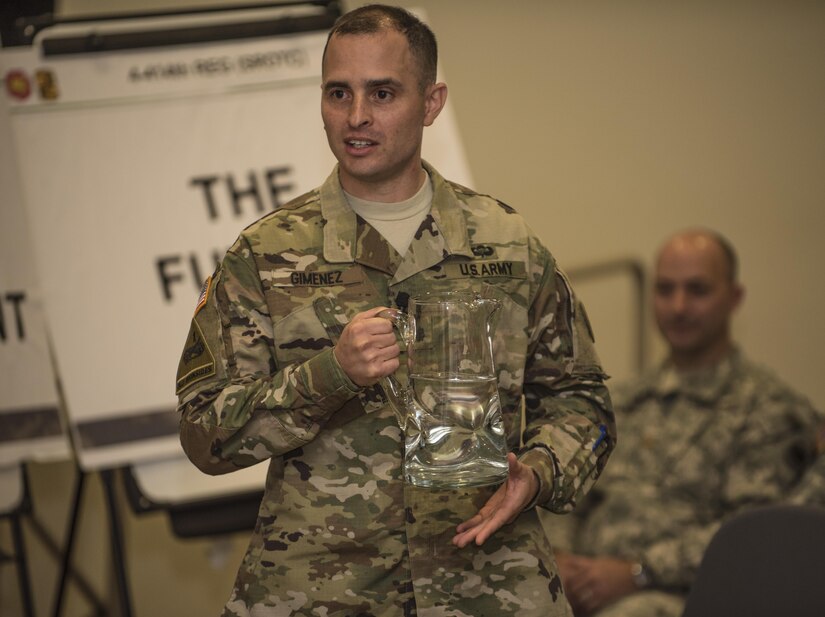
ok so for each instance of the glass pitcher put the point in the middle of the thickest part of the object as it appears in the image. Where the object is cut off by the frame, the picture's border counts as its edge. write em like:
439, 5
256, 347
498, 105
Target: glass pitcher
449, 410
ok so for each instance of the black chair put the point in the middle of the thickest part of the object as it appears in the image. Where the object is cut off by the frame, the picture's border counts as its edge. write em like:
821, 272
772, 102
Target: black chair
769, 561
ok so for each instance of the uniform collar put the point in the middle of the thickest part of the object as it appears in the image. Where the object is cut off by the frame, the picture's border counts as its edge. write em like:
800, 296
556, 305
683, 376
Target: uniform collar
704, 386
348, 238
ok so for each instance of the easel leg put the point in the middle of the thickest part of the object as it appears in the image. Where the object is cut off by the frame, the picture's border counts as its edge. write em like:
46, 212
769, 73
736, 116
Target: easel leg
22, 565
83, 586
117, 544
70, 537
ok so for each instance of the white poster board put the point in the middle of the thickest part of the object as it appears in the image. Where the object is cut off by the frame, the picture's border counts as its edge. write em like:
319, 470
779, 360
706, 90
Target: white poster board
31, 426
138, 169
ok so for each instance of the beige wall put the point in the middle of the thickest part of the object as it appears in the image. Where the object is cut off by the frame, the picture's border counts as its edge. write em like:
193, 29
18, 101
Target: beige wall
611, 124
608, 125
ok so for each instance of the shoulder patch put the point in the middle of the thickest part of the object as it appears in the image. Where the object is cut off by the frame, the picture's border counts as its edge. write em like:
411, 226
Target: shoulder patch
204, 295
196, 362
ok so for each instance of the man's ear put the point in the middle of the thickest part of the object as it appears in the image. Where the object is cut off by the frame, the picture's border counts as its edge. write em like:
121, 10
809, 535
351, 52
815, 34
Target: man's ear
436, 98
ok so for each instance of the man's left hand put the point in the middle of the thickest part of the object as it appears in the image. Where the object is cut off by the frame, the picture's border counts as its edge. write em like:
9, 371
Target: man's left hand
503, 507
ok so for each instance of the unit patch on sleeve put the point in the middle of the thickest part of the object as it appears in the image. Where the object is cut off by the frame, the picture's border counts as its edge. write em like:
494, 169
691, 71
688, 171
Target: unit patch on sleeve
196, 362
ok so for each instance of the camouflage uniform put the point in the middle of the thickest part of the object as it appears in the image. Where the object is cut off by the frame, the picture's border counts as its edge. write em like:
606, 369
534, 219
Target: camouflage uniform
811, 489
339, 532
694, 450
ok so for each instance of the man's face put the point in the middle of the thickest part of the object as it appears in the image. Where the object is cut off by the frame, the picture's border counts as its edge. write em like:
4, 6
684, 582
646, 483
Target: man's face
694, 296
374, 114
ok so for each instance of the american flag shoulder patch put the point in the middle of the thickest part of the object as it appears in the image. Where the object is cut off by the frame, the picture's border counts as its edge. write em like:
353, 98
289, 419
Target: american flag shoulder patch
204, 295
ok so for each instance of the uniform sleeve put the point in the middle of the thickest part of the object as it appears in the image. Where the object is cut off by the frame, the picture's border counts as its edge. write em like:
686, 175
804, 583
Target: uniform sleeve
570, 429
774, 450
237, 406
811, 490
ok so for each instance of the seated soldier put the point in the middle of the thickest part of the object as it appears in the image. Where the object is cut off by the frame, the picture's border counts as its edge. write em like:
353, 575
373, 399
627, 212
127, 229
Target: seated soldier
703, 436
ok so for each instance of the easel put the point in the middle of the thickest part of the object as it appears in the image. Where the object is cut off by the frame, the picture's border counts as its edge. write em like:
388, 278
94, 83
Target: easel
190, 518
17, 505
22, 509
115, 540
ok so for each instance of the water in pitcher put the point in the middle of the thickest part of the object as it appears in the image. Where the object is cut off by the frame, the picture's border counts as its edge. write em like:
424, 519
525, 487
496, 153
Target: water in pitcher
455, 434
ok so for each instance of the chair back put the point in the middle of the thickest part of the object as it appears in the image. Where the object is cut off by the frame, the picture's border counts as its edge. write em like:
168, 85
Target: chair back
769, 561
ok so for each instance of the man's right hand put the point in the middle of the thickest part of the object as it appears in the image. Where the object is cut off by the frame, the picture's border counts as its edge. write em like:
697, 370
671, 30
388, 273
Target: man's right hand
367, 349
591, 583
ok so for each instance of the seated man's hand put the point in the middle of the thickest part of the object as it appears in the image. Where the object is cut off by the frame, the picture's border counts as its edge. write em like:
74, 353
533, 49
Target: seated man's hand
591, 583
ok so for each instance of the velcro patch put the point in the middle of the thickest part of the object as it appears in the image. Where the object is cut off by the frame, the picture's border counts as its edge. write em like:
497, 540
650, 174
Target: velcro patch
319, 278
204, 295
483, 250
486, 269
196, 362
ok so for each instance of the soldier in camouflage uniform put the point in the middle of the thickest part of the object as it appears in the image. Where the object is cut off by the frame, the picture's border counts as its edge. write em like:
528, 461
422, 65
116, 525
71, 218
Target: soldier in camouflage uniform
704, 435
286, 347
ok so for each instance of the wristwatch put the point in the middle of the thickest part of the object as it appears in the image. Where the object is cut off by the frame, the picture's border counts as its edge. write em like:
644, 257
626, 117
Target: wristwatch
641, 575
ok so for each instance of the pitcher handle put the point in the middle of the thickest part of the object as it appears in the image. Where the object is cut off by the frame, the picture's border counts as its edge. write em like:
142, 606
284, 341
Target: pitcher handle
392, 388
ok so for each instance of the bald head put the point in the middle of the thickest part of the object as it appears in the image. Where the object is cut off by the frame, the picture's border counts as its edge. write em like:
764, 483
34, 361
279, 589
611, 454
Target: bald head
700, 239
695, 295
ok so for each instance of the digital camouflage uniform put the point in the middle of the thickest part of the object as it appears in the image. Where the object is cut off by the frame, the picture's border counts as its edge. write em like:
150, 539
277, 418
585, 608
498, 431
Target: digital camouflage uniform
339, 532
694, 450
811, 489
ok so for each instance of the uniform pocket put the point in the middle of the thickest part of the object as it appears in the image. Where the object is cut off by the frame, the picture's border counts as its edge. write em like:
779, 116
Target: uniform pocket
299, 336
310, 308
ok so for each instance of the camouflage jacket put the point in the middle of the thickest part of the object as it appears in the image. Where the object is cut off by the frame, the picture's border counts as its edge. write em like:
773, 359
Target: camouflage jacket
694, 450
811, 489
339, 532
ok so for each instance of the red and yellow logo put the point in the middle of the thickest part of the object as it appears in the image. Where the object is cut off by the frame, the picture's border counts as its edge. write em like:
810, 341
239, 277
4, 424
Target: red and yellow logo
18, 84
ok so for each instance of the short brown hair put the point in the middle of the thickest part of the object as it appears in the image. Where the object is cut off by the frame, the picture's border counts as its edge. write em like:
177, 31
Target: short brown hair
374, 18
